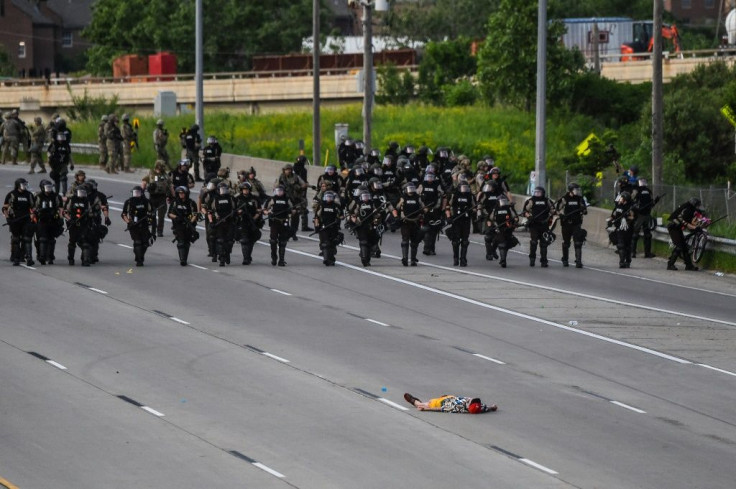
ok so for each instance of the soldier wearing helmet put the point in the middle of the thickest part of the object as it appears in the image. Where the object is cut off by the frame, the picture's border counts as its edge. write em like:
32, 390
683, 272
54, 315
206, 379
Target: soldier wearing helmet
160, 141
538, 210
433, 198
327, 217
193, 144
114, 141
572, 207
38, 138
138, 215
504, 219
621, 221
80, 177
130, 139
222, 219
686, 216
183, 214
49, 225
11, 130
365, 216
410, 211
458, 212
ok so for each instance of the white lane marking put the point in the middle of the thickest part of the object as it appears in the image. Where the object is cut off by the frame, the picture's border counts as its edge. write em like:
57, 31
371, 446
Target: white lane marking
563, 291
125, 246
717, 369
280, 292
56, 364
626, 406
627, 275
99, 291
392, 404
152, 411
376, 322
271, 355
197, 266
269, 470
180, 321
488, 358
28, 267
504, 310
538, 466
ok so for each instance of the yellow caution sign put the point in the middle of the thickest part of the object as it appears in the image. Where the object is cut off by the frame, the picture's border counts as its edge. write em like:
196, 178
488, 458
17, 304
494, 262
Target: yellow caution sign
728, 113
136, 123
584, 147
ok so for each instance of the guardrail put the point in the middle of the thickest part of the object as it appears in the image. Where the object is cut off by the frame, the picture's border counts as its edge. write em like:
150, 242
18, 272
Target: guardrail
179, 77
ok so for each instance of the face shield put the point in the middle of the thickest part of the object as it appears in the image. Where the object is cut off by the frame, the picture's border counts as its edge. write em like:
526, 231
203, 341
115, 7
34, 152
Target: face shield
278, 191
223, 190
464, 188
136, 192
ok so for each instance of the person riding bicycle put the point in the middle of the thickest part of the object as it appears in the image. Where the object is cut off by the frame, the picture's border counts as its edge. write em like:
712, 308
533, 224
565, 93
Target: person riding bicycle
684, 217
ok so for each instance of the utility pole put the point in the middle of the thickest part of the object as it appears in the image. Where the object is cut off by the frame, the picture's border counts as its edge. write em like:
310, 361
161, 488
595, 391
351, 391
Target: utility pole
316, 139
367, 74
540, 158
596, 49
657, 99
199, 68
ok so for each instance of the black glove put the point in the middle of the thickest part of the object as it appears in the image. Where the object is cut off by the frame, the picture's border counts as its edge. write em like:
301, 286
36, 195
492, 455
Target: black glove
71, 167
107, 221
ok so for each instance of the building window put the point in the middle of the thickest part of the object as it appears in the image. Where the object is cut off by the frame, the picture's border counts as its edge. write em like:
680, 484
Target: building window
686, 4
67, 39
21, 49
710, 3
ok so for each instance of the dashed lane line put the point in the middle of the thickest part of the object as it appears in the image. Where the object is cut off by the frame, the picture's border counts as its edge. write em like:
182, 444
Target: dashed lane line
47, 360
626, 406
255, 463
142, 406
280, 292
505, 311
524, 460
377, 322
499, 362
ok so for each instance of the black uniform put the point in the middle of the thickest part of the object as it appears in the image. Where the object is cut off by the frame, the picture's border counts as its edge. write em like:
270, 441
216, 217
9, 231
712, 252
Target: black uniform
458, 212
222, 222
181, 179
59, 152
364, 215
644, 202
211, 158
192, 143
50, 224
279, 210
327, 220
98, 231
183, 215
505, 219
539, 211
17, 208
138, 210
410, 210
571, 209
488, 200
622, 219
79, 225
680, 219
432, 196
249, 224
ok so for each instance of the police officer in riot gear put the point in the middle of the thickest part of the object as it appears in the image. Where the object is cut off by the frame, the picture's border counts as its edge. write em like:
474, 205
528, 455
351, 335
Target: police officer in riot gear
684, 217
327, 217
433, 197
211, 156
59, 153
77, 213
363, 219
98, 209
138, 215
183, 214
48, 206
18, 210
279, 211
488, 201
410, 210
181, 177
457, 212
622, 219
505, 219
249, 221
644, 203
572, 208
221, 216
538, 210
193, 143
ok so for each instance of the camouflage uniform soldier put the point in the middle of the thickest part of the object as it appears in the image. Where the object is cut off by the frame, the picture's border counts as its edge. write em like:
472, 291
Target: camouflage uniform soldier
102, 142
114, 138
38, 138
160, 140
129, 138
12, 132
294, 187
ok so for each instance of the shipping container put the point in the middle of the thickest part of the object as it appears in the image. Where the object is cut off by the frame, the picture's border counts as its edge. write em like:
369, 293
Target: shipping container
163, 63
612, 33
129, 65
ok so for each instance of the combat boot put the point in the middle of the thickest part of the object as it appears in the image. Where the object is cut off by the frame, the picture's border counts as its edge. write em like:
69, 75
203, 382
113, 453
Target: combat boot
464, 254
183, 255
282, 254
648, 247
274, 257
578, 257
405, 254
532, 253
565, 255
502, 260
543, 257
414, 249
455, 253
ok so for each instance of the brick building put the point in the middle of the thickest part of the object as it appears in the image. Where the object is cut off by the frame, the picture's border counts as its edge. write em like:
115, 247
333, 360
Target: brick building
43, 37
699, 12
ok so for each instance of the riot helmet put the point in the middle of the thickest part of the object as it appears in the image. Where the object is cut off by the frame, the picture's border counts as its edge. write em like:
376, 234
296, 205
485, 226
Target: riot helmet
137, 191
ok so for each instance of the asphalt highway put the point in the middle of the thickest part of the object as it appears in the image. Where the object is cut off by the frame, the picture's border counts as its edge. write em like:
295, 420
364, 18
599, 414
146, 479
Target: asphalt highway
165, 376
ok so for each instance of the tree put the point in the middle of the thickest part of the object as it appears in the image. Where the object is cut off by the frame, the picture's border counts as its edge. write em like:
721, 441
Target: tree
436, 20
442, 64
234, 30
7, 68
636, 9
507, 61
